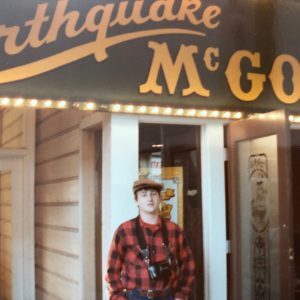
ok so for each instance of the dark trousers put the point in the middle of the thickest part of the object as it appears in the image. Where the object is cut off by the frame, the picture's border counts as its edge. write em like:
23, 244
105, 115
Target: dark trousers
134, 295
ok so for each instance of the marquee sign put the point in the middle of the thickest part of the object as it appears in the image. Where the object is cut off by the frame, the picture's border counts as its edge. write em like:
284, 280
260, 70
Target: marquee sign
192, 53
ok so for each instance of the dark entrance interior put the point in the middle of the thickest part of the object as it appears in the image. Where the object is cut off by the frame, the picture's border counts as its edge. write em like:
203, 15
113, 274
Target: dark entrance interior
179, 146
295, 138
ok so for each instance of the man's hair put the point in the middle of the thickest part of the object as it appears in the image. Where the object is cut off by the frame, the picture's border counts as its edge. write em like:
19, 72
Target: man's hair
147, 189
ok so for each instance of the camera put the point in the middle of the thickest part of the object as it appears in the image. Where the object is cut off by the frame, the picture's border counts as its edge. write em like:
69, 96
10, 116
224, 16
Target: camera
161, 269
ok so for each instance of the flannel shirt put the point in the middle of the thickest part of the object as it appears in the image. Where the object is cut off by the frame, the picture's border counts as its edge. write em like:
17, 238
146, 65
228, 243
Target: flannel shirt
126, 268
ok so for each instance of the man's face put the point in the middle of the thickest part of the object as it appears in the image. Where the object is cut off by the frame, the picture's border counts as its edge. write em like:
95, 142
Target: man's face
148, 201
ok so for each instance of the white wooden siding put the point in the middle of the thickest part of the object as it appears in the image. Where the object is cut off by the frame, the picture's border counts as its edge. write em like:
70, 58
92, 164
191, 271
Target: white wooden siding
57, 241
5, 236
12, 128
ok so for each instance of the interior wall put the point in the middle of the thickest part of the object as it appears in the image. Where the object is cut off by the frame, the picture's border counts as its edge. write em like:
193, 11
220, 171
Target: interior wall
5, 236
57, 204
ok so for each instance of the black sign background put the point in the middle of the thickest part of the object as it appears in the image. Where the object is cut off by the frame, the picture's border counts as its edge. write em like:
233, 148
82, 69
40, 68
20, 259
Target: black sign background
269, 27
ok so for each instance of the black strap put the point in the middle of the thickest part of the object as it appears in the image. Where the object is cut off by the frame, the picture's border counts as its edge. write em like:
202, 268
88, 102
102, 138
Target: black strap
141, 237
165, 232
140, 234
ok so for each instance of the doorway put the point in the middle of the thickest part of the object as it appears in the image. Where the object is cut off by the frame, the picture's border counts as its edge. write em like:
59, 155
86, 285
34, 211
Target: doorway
91, 201
295, 142
124, 155
171, 154
262, 207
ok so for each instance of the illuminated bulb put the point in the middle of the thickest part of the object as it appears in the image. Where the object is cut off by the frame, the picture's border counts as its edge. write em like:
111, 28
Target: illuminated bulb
215, 114
227, 114
155, 110
142, 109
116, 107
48, 103
62, 104
90, 106
19, 102
179, 112
129, 108
203, 113
168, 110
192, 112
33, 102
76, 104
5, 101
291, 118
237, 115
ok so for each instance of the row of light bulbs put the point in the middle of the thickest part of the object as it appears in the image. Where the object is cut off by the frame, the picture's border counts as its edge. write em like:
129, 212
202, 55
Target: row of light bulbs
138, 109
275, 116
21, 102
170, 111
125, 108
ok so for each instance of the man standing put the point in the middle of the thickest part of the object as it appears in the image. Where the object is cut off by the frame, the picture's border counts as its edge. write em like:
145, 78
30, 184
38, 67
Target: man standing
149, 257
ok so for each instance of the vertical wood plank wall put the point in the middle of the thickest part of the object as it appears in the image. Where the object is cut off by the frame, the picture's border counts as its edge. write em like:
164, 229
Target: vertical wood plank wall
57, 243
5, 236
12, 128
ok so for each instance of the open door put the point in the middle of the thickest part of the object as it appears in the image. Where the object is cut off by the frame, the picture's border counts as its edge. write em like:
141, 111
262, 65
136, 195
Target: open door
260, 208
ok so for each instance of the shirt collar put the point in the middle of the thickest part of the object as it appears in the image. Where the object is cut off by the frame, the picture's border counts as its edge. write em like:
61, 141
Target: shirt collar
151, 226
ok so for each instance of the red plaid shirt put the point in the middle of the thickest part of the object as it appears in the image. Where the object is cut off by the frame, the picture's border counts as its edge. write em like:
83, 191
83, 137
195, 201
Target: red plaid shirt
126, 268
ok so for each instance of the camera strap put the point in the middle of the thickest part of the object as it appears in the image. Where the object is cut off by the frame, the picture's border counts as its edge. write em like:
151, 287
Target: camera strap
142, 242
